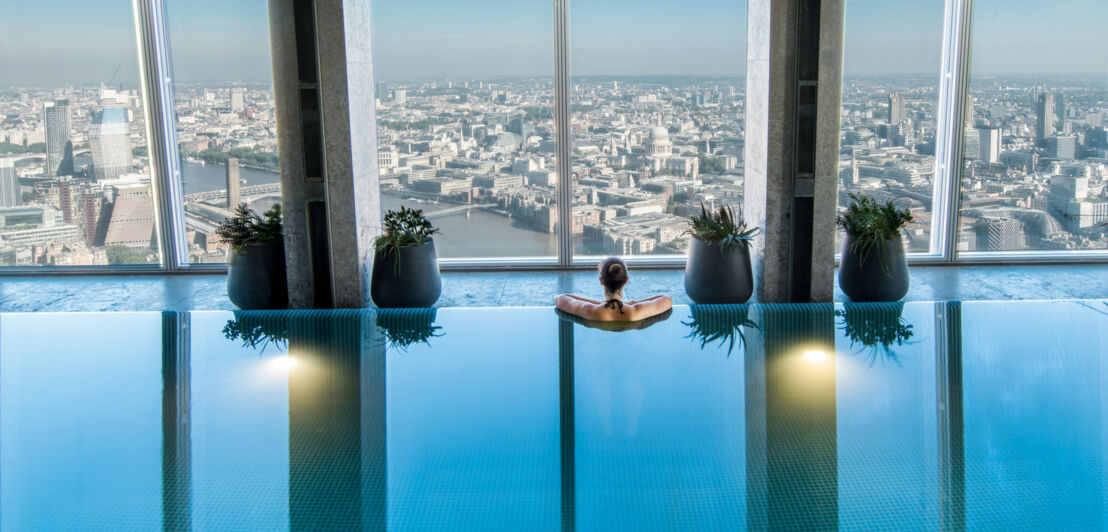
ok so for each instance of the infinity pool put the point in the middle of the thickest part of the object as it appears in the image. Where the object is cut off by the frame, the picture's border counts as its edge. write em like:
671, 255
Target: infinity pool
921, 416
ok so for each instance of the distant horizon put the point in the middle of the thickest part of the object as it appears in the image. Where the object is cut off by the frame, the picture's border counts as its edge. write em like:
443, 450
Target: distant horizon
632, 78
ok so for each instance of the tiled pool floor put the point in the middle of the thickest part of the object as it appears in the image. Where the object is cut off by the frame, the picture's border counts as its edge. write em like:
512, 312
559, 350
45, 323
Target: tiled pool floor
922, 416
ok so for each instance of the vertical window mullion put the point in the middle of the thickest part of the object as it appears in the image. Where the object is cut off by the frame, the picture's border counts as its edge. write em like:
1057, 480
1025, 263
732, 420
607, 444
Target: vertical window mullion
562, 139
157, 91
953, 91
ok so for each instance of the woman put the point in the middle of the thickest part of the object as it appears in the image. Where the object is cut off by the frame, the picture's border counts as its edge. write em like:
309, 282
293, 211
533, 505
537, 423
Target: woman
613, 277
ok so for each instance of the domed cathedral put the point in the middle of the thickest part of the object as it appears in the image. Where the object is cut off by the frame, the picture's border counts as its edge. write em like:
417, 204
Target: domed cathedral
658, 143
657, 154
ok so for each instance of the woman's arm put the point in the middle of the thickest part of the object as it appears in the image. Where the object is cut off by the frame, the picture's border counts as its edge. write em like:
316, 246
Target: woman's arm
648, 307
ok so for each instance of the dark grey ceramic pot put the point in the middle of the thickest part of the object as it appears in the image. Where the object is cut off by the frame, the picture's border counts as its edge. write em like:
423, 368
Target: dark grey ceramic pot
882, 276
256, 278
414, 282
716, 275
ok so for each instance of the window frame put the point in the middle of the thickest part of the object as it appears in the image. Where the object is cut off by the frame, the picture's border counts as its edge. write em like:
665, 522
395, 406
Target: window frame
156, 74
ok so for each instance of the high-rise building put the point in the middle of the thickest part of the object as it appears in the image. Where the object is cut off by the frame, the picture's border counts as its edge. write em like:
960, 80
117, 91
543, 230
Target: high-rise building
109, 139
1061, 147
10, 195
1060, 107
1044, 118
971, 106
989, 143
65, 200
238, 99
896, 108
57, 120
971, 144
400, 96
232, 183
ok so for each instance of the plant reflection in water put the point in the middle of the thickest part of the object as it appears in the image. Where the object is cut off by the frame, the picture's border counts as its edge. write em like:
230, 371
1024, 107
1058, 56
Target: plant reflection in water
875, 327
406, 326
719, 322
259, 328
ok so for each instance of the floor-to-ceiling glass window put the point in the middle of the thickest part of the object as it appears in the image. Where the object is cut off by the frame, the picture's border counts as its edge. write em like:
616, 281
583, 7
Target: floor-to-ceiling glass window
1034, 173
466, 133
226, 129
74, 175
890, 92
657, 120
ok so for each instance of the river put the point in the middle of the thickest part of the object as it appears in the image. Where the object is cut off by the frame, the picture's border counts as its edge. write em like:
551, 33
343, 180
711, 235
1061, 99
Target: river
482, 234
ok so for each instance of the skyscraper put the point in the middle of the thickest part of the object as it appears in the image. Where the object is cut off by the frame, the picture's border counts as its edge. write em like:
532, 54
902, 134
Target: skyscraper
896, 108
1060, 107
971, 105
10, 195
232, 183
109, 139
1044, 118
56, 117
400, 96
988, 144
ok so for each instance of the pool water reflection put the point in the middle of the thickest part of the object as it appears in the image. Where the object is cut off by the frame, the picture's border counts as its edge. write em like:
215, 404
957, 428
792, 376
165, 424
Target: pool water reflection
917, 416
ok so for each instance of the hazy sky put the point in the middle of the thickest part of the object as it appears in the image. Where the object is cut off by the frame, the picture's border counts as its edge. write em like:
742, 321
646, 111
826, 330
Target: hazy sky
55, 42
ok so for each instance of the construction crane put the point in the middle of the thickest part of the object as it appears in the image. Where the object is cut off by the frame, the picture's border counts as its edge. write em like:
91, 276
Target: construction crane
117, 67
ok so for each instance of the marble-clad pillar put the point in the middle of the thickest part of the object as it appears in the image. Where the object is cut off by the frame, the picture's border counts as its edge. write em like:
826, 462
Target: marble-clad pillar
794, 87
327, 141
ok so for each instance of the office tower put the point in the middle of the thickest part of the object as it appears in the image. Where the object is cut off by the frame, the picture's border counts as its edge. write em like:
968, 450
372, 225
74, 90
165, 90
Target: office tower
382, 90
56, 117
400, 96
1061, 147
132, 222
10, 195
109, 139
896, 108
988, 144
90, 215
1060, 107
65, 200
971, 104
232, 183
1044, 118
999, 234
238, 99
971, 144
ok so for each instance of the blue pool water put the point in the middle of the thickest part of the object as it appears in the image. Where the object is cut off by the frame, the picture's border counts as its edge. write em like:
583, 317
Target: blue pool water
921, 416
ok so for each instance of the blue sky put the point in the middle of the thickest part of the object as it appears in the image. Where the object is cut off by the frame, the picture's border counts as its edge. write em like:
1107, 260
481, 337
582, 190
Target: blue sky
53, 42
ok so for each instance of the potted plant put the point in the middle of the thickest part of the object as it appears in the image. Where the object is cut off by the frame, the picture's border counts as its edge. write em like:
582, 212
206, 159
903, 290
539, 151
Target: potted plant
874, 266
256, 268
405, 266
718, 269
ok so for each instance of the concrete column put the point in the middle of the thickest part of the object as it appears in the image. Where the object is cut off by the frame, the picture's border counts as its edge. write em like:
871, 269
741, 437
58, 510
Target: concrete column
794, 86
327, 138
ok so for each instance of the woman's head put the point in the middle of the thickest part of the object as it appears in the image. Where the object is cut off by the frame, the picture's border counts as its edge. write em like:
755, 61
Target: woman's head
613, 274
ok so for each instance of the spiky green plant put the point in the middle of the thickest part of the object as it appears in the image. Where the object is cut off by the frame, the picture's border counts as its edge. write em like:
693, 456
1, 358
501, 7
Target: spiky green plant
246, 227
721, 227
402, 228
405, 327
871, 222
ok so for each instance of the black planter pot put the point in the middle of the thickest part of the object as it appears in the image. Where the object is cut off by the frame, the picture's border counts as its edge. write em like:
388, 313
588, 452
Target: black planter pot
882, 276
256, 278
414, 282
715, 275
